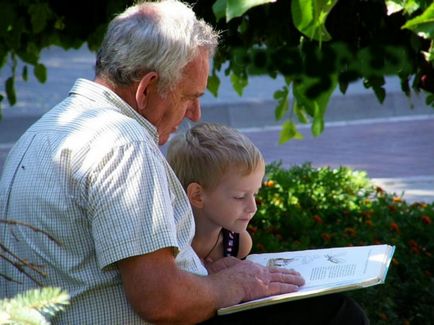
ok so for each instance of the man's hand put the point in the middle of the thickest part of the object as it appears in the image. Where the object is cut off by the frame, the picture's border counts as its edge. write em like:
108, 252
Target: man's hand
221, 264
256, 281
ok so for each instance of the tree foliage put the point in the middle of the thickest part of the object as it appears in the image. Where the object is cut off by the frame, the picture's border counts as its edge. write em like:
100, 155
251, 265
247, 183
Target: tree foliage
318, 46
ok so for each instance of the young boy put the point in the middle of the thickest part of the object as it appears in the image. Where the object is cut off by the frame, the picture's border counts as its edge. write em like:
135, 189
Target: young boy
221, 171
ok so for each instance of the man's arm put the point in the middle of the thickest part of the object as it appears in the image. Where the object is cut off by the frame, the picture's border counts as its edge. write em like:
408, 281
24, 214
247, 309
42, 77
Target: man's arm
162, 293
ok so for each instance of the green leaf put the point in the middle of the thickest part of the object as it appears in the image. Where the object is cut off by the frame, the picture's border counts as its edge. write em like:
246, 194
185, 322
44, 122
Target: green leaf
213, 84
394, 6
310, 104
289, 131
40, 13
59, 24
25, 73
315, 107
318, 121
10, 91
239, 83
282, 98
408, 6
377, 85
236, 8
95, 39
309, 17
423, 25
300, 113
40, 72
429, 100
380, 93
219, 9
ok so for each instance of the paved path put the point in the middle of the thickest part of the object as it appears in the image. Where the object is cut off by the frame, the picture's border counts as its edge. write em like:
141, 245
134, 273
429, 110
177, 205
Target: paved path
393, 142
398, 154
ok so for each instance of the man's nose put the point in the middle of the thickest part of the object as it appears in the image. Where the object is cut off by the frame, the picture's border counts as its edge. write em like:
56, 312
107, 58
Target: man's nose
194, 113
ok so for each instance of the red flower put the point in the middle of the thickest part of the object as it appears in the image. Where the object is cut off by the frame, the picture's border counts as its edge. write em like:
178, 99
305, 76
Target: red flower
392, 208
414, 246
325, 236
394, 227
426, 220
350, 231
252, 229
368, 214
412, 243
317, 219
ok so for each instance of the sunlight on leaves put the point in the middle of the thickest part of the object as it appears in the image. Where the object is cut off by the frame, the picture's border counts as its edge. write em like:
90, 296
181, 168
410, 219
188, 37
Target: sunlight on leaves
394, 6
408, 6
310, 16
289, 131
423, 25
235, 8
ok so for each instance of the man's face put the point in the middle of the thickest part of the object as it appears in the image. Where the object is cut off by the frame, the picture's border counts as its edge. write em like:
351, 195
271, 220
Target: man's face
167, 112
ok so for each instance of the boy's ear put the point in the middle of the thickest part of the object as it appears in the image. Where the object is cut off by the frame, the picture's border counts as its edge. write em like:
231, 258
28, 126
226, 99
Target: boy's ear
194, 193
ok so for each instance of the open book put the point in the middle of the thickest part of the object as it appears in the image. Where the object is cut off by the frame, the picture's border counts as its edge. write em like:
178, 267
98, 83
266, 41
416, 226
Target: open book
325, 271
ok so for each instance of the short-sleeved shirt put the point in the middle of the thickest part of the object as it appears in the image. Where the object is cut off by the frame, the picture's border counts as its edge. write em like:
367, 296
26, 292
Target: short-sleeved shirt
90, 173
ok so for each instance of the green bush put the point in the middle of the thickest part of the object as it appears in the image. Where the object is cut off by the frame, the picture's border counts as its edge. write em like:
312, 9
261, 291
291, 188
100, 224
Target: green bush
304, 207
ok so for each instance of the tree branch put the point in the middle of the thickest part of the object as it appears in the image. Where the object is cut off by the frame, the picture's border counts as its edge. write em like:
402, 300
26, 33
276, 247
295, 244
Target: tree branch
33, 228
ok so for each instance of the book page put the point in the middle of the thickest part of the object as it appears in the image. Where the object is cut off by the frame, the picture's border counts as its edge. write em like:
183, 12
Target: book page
330, 266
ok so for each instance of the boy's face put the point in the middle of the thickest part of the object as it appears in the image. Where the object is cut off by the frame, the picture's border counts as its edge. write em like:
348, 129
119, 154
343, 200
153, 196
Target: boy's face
232, 204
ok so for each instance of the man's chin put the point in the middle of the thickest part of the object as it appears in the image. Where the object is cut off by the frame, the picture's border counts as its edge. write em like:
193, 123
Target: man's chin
162, 141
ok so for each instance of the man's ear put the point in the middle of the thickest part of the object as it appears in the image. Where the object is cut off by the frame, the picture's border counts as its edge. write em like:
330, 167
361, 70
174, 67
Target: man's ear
146, 84
194, 193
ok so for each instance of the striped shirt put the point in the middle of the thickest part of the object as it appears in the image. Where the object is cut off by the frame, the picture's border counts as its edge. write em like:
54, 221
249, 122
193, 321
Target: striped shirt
91, 174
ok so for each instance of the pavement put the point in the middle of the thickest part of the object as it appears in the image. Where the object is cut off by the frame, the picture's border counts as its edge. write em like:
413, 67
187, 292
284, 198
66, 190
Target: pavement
392, 142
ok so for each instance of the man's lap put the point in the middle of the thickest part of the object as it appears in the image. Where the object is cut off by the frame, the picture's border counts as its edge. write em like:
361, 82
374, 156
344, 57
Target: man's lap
330, 309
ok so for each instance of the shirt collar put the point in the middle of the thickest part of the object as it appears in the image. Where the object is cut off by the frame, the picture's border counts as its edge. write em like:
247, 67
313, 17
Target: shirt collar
101, 94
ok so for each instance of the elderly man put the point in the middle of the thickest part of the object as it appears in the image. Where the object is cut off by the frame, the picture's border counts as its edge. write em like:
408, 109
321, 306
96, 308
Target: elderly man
91, 174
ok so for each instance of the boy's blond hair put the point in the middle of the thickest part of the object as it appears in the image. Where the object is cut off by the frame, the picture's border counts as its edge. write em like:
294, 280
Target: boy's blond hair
208, 150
